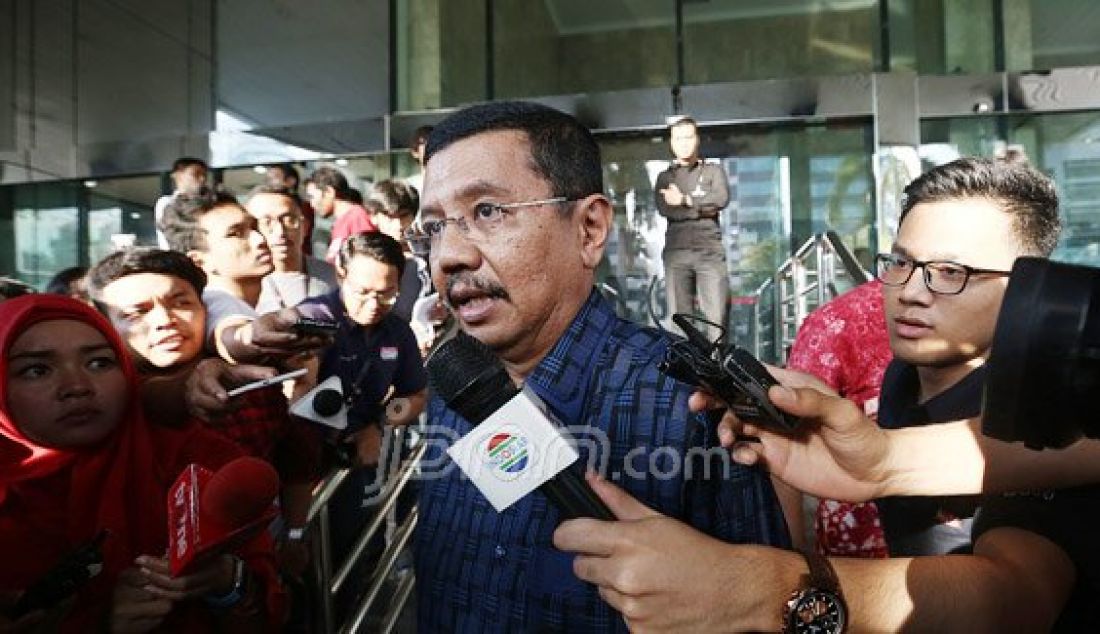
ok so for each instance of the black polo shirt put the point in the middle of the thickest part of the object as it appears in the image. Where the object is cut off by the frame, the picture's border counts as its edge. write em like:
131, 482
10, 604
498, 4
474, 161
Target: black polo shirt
368, 360
1067, 517
916, 525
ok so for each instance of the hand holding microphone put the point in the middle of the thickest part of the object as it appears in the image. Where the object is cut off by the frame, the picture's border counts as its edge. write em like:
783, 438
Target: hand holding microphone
214, 513
211, 515
516, 445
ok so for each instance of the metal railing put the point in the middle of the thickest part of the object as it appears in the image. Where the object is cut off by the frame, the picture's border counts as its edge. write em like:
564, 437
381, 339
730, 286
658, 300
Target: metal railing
813, 275
330, 577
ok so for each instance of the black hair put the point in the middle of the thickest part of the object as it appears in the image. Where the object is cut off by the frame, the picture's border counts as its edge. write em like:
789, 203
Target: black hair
139, 260
287, 169
397, 199
275, 190
323, 177
375, 245
563, 151
184, 162
1017, 188
684, 121
420, 135
11, 288
63, 282
180, 222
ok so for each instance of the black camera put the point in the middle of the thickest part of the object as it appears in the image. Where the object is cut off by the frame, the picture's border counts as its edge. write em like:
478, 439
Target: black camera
1044, 363
727, 371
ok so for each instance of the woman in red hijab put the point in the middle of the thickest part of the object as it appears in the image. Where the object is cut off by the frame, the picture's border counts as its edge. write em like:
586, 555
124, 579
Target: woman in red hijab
77, 458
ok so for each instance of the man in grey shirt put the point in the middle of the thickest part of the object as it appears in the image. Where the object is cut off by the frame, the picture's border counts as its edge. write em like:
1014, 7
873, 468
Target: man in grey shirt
691, 195
296, 275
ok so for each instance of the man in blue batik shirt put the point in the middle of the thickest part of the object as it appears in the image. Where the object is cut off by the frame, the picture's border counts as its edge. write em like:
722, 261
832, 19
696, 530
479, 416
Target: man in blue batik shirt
514, 210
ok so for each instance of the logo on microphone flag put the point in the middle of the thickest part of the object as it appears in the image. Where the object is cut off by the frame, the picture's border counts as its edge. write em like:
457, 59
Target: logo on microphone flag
506, 453
514, 451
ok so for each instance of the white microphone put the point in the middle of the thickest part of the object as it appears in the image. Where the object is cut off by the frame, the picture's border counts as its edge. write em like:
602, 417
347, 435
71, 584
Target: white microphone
516, 445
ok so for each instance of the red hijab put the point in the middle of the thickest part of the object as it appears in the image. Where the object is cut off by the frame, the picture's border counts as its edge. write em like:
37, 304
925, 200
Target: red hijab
53, 500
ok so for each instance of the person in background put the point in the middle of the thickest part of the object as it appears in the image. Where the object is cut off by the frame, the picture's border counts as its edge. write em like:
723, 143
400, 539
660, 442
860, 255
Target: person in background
220, 236
380, 369
77, 457
375, 353
417, 143
152, 298
331, 195
393, 212
188, 177
286, 175
10, 289
845, 343
296, 275
691, 195
70, 282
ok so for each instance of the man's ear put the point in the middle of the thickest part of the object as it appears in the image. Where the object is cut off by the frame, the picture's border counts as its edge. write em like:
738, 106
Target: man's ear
593, 218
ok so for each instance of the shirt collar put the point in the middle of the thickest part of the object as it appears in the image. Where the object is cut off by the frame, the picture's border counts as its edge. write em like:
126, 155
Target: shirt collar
562, 378
901, 389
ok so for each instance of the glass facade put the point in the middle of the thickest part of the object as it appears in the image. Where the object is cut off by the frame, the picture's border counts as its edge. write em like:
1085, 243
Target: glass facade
1066, 146
733, 40
786, 184
791, 178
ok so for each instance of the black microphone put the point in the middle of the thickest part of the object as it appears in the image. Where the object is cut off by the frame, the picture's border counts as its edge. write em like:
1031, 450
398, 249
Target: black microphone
472, 381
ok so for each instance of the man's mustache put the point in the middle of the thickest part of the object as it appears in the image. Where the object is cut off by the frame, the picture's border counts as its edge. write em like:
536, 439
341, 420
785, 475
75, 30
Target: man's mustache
469, 280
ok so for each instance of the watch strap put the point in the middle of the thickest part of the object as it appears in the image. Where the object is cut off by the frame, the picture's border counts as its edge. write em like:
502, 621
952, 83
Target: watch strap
236, 593
821, 577
822, 574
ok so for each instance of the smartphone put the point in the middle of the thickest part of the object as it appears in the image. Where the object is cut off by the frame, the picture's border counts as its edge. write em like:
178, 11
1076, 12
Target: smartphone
72, 573
318, 327
262, 383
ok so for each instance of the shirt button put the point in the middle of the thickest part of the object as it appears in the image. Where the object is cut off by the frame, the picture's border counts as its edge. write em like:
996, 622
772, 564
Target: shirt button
499, 552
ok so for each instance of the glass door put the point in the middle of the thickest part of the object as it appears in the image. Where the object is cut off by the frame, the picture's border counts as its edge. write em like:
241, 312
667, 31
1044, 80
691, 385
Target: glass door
787, 183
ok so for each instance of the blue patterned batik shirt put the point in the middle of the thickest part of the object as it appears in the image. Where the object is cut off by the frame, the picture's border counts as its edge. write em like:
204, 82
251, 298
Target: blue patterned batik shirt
482, 571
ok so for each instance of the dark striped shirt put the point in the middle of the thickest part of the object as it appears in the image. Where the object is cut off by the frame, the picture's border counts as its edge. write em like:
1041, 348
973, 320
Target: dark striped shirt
482, 571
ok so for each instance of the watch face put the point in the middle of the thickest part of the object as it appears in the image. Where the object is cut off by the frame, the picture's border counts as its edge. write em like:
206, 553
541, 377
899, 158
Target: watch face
818, 612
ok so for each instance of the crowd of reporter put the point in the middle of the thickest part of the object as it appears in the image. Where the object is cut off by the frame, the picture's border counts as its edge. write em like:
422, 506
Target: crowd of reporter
119, 377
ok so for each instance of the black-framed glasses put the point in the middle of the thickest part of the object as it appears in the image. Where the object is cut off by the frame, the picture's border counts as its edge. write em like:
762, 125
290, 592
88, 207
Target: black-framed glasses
940, 276
482, 222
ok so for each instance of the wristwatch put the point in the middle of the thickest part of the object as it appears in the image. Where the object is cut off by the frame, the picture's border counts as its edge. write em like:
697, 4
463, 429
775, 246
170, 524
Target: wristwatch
236, 593
817, 606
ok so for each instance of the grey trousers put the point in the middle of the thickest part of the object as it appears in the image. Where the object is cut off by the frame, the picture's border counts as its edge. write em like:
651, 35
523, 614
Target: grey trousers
701, 275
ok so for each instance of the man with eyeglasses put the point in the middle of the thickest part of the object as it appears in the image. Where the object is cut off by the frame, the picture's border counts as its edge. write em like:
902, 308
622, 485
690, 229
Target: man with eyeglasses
514, 210
376, 357
1033, 563
942, 287
296, 275
374, 352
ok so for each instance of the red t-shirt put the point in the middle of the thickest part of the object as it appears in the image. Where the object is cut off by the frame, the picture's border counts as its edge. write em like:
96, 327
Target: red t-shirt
845, 344
355, 220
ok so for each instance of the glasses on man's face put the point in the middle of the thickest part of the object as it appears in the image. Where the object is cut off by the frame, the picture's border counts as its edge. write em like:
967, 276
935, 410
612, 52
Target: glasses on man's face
940, 277
480, 224
383, 298
288, 221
